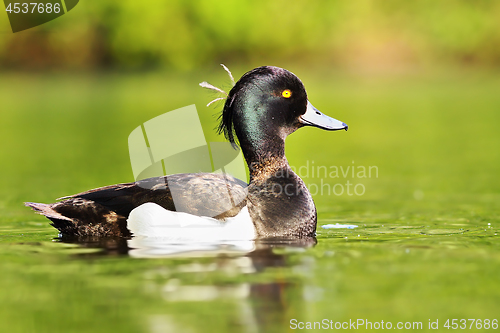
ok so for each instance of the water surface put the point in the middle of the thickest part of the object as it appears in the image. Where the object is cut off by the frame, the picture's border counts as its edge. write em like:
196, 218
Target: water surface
426, 246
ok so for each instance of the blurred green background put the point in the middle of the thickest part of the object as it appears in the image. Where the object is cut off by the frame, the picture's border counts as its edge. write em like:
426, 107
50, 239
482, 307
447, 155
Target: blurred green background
188, 35
417, 82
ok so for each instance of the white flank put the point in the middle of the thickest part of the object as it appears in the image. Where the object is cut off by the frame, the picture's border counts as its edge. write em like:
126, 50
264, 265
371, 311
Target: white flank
152, 220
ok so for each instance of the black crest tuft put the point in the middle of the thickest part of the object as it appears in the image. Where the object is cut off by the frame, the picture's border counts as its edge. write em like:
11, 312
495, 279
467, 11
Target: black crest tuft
226, 120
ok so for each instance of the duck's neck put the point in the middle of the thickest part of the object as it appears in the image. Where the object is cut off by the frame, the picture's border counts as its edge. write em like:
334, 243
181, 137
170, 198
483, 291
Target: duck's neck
279, 203
264, 157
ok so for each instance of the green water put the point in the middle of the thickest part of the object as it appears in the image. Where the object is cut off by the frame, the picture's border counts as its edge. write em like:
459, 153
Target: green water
426, 246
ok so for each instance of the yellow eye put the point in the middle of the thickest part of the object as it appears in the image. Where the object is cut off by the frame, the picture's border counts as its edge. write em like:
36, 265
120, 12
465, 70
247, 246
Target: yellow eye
286, 93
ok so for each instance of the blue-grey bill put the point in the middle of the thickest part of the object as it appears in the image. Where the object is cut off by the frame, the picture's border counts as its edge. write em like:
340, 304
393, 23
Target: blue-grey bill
313, 117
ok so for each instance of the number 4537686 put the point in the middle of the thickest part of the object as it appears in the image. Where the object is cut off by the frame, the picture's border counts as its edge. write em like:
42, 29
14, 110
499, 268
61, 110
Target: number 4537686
33, 7
477, 323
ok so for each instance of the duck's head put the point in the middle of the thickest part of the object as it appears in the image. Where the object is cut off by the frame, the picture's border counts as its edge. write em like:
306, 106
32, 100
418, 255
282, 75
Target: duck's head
265, 106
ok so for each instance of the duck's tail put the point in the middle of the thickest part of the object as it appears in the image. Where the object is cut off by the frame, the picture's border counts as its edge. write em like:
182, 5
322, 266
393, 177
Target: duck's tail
81, 217
103, 211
